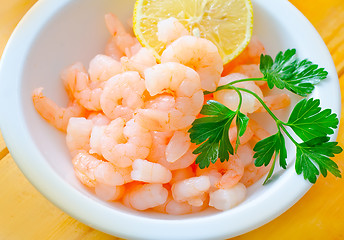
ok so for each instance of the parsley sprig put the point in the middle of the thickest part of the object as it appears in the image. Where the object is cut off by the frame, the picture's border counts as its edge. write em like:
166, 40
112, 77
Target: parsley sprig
311, 124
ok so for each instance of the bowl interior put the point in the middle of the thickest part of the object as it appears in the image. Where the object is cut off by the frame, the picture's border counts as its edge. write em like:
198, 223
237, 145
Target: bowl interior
75, 31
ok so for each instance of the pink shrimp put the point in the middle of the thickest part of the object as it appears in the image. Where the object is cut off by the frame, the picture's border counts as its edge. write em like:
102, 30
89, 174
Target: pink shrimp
181, 174
230, 98
109, 193
52, 113
157, 154
112, 50
224, 199
90, 171
198, 53
192, 190
149, 172
140, 61
123, 142
78, 134
145, 196
123, 40
275, 102
231, 172
78, 84
170, 29
98, 119
252, 173
177, 146
179, 81
243, 139
102, 68
174, 207
122, 95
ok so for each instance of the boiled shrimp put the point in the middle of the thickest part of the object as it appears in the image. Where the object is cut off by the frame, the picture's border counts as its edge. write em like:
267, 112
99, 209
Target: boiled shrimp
231, 172
214, 177
123, 40
275, 102
182, 174
198, 53
95, 142
157, 154
109, 193
192, 190
98, 119
112, 50
91, 170
245, 154
234, 171
122, 95
243, 139
123, 142
259, 132
145, 196
140, 61
176, 80
78, 134
224, 199
173, 207
252, 173
177, 146
68, 76
170, 29
77, 82
149, 172
102, 68
230, 98
52, 113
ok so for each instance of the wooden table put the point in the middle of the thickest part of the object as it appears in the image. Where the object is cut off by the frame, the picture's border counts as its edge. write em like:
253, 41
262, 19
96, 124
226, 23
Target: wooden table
26, 214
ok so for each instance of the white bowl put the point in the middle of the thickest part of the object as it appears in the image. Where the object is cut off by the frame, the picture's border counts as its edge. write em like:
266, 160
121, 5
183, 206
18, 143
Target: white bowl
56, 33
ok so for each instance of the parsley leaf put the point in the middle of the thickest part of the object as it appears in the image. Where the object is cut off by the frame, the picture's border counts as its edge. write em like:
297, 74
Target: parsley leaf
287, 71
211, 133
308, 121
313, 156
241, 123
266, 148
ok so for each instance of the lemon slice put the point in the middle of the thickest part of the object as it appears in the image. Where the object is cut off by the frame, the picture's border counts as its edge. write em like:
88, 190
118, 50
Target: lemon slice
227, 23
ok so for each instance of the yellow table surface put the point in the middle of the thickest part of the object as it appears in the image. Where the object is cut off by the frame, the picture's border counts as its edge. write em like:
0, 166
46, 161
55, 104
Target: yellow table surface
26, 214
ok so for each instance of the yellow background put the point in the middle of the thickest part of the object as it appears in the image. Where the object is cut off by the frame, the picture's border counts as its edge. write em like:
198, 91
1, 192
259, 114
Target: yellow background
26, 214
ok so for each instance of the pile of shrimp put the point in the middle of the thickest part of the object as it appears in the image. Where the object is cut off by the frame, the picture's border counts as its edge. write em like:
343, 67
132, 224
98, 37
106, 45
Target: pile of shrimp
128, 118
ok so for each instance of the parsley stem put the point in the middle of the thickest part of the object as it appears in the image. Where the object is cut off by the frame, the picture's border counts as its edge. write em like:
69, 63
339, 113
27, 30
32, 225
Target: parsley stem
230, 85
271, 170
261, 102
240, 97
247, 80
280, 124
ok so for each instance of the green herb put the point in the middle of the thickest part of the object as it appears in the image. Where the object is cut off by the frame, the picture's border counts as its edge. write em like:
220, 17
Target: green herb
317, 152
287, 71
307, 120
212, 133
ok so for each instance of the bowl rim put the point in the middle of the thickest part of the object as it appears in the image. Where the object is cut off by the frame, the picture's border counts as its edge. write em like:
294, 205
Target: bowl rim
121, 225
